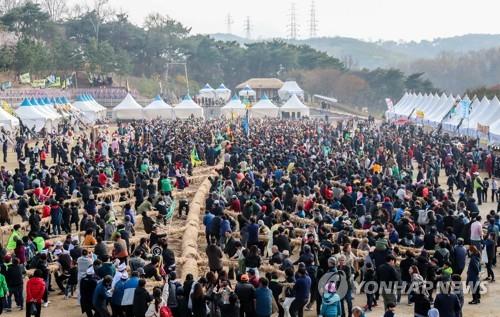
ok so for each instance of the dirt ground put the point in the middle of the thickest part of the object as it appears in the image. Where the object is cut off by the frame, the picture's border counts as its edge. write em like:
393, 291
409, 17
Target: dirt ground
59, 307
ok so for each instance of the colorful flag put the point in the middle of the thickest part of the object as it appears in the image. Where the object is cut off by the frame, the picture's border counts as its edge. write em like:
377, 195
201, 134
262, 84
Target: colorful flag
245, 125
465, 108
195, 159
171, 210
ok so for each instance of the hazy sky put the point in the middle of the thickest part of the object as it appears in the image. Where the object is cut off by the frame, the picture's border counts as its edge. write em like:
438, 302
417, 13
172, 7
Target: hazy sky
366, 19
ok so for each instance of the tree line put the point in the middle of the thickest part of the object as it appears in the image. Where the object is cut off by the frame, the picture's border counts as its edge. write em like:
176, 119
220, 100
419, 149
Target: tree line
97, 39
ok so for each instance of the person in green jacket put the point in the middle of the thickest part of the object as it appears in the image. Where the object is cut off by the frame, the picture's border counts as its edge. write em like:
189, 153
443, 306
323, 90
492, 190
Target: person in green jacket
478, 187
4, 290
38, 241
14, 236
166, 185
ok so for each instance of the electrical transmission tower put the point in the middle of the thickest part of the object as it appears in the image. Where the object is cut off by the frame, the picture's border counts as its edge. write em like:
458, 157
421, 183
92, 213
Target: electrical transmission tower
293, 27
248, 28
313, 22
229, 23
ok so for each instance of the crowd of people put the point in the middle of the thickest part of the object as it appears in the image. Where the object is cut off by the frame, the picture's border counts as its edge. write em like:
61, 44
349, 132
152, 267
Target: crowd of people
301, 215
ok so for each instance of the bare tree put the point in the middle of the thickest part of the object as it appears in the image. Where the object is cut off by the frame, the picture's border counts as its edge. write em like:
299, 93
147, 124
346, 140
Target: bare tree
55, 8
99, 11
7, 5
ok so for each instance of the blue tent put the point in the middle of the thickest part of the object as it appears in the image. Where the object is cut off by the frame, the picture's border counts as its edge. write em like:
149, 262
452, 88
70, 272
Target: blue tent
25, 103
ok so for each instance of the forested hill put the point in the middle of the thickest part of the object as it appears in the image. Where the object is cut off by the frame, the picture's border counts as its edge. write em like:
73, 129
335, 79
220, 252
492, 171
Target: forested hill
389, 53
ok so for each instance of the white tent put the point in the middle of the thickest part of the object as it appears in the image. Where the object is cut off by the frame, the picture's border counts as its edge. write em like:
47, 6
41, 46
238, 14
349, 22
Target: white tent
264, 108
289, 89
128, 109
234, 108
247, 92
102, 110
402, 105
223, 93
207, 92
47, 111
491, 119
32, 118
188, 108
8, 121
89, 113
391, 113
422, 104
478, 114
437, 116
294, 108
158, 109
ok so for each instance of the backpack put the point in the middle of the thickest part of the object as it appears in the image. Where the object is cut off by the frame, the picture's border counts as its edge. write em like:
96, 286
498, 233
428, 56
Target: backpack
172, 294
423, 217
166, 312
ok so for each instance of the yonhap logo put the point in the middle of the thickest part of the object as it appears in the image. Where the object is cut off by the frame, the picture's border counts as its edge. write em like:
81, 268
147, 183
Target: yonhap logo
340, 280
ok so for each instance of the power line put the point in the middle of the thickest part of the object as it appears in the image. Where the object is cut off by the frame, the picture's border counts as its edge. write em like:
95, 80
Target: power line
313, 22
229, 23
292, 27
248, 28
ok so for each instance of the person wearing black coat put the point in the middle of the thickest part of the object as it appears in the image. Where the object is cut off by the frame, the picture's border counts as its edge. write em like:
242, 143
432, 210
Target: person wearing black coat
473, 274
246, 294
141, 299
387, 273
87, 286
448, 305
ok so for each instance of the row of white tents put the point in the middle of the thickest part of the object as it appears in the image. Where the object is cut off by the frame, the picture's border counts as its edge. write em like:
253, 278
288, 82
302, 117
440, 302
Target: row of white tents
288, 89
456, 115
130, 109
38, 113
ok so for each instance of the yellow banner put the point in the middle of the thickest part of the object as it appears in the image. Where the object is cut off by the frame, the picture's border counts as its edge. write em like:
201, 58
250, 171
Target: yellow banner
25, 78
38, 83
56, 83
420, 114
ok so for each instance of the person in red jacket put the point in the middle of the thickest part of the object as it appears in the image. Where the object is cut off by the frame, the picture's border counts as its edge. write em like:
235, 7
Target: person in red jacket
43, 158
35, 288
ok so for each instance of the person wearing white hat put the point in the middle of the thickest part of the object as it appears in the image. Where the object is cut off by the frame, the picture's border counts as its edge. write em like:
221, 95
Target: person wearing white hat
120, 269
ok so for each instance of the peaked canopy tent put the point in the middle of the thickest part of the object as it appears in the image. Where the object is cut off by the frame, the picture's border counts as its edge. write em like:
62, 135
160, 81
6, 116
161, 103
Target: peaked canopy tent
128, 109
294, 108
440, 112
406, 111
8, 121
32, 118
207, 92
390, 113
264, 108
490, 119
47, 111
478, 113
188, 108
234, 108
422, 105
89, 113
431, 107
158, 109
223, 93
289, 89
247, 92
